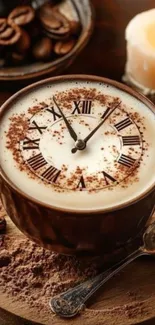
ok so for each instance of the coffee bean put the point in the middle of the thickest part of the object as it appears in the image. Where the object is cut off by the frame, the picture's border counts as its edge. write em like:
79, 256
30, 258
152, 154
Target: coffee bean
2, 64
75, 27
23, 44
64, 47
54, 23
42, 50
5, 258
2, 225
17, 58
9, 32
22, 15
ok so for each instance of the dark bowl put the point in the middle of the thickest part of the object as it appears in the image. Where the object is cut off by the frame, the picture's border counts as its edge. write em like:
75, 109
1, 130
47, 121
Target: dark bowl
54, 67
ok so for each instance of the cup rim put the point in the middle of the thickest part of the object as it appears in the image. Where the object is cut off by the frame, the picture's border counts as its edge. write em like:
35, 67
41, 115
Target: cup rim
72, 77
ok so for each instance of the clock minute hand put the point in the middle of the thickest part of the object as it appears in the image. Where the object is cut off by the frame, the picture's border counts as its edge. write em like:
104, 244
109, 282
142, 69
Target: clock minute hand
69, 127
82, 144
100, 124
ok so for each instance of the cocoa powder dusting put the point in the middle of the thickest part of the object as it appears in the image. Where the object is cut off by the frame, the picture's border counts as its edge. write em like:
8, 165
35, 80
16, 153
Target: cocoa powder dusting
18, 127
34, 274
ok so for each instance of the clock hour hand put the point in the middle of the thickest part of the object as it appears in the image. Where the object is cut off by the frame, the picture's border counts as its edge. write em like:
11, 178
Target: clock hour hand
68, 125
104, 118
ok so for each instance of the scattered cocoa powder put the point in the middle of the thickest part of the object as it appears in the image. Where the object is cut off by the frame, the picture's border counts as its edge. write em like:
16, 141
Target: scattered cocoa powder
29, 274
35, 274
19, 125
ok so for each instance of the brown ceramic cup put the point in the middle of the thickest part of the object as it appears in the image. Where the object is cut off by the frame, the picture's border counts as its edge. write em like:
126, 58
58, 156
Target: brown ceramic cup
82, 231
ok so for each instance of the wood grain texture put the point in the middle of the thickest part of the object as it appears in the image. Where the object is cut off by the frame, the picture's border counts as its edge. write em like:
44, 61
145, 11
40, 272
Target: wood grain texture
105, 56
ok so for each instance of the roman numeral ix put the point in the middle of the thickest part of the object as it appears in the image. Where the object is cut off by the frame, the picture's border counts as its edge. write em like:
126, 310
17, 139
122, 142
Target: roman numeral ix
31, 144
126, 161
123, 124
133, 140
37, 161
82, 107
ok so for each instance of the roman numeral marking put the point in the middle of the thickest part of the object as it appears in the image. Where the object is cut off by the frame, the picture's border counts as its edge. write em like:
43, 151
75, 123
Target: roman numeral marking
108, 178
31, 144
133, 140
109, 111
123, 124
37, 161
37, 127
126, 161
54, 113
81, 184
82, 107
51, 174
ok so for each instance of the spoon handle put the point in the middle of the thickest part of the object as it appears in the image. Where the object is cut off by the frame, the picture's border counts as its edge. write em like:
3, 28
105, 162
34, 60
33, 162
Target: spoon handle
36, 4
71, 302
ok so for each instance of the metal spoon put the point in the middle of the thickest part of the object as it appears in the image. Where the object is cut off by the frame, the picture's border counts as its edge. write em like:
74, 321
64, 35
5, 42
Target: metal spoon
36, 4
71, 302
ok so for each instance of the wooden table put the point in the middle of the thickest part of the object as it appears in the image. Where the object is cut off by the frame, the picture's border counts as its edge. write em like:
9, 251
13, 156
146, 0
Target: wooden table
105, 56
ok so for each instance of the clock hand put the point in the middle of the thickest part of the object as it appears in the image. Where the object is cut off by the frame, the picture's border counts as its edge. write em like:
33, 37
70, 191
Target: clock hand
96, 128
101, 123
69, 127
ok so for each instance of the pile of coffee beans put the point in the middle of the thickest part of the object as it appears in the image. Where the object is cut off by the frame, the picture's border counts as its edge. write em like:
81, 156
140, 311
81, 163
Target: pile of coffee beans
28, 35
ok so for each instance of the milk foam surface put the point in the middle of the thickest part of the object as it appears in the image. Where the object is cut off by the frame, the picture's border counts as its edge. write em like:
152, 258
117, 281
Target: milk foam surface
79, 200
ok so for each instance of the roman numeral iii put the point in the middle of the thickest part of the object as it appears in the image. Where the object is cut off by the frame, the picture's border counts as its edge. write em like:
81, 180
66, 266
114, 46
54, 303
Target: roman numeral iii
123, 124
82, 107
126, 161
133, 140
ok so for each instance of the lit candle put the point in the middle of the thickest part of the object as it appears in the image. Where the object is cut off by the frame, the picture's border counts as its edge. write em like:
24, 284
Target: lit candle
140, 37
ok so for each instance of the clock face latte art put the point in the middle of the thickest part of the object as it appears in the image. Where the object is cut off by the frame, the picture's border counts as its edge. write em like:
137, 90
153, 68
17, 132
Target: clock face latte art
78, 145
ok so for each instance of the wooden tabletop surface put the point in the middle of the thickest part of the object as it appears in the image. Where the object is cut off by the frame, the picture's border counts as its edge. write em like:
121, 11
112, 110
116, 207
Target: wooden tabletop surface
105, 56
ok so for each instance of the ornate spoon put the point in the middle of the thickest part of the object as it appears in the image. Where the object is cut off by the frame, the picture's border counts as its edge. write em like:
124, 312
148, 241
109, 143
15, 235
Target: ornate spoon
71, 302
36, 4
6, 5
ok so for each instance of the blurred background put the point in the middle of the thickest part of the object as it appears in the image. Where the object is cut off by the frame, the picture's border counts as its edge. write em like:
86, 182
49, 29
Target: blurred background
105, 54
